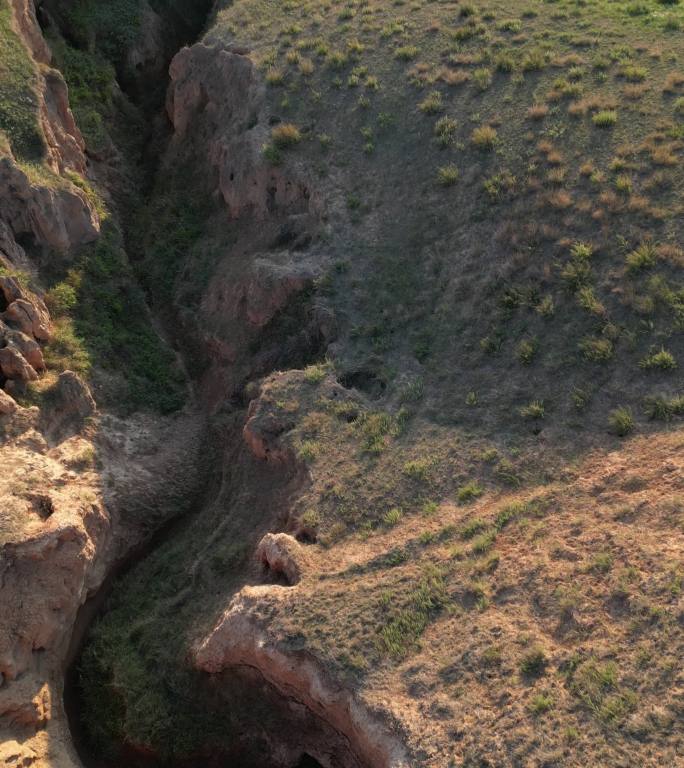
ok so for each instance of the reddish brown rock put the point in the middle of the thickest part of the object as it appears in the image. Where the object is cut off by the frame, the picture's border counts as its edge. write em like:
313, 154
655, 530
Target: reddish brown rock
25, 345
70, 404
263, 430
14, 366
148, 52
29, 29
12, 255
66, 148
7, 404
240, 640
216, 93
282, 555
11, 290
29, 317
60, 218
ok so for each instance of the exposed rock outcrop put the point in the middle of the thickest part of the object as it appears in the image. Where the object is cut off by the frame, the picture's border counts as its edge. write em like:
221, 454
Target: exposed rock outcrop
263, 429
58, 214
354, 734
25, 345
71, 403
24, 322
215, 102
12, 255
29, 317
64, 521
14, 366
57, 217
282, 555
8, 406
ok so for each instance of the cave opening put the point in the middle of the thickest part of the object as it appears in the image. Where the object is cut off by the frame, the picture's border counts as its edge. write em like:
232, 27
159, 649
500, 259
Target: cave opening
306, 761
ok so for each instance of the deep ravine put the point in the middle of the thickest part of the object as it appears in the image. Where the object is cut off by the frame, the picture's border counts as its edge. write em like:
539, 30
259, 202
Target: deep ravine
146, 90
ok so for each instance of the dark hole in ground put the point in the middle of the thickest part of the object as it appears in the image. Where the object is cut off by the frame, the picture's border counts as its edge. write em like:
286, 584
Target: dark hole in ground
365, 381
27, 241
306, 761
43, 506
274, 576
306, 537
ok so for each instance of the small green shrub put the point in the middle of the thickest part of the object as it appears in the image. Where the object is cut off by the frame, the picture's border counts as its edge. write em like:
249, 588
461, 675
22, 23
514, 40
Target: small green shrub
392, 517
633, 73
605, 118
482, 78
308, 451
533, 662
314, 374
272, 154
310, 519
447, 175
445, 131
533, 411
473, 527
621, 421
662, 408
484, 542
602, 562
642, 258
662, 360
534, 61
432, 103
541, 703
597, 350
275, 77
597, 686
580, 398
469, 492
406, 53
527, 350
418, 469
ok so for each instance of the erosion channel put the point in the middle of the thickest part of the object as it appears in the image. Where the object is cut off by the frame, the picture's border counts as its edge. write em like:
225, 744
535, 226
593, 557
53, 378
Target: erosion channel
146, 681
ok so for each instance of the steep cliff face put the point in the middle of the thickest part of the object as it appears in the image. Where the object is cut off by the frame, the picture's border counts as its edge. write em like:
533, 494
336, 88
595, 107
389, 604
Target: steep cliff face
53, 213
80, 487
255, 310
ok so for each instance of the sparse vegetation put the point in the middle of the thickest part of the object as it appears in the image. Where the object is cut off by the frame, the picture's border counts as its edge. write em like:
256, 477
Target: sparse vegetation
621, 421
484, 137
285, 135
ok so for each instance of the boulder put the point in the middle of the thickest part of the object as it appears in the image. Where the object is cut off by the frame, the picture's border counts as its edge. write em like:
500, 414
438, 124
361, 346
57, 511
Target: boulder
30, 317
70, 404
13, 365
264, 429
282, 555
11, 290
73, 394
7, 404
26, 346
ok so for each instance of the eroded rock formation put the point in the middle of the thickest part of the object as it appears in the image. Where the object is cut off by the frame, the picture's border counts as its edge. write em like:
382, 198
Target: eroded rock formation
335, 726
55, 215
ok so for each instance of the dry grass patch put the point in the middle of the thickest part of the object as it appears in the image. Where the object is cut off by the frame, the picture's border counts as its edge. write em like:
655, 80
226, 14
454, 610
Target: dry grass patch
537, 112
